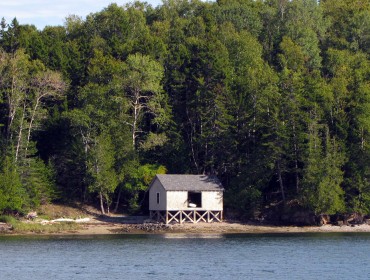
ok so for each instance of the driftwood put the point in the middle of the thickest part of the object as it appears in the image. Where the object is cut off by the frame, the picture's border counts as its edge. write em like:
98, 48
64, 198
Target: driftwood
82, 220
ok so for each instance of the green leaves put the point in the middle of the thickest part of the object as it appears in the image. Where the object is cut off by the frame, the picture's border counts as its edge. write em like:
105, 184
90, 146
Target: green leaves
142, 74
138, 181
272, 96
140, 86
100, 167
12, 194
29, 90
323, 175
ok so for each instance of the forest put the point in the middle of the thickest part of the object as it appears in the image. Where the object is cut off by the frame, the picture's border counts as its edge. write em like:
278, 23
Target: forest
272, 96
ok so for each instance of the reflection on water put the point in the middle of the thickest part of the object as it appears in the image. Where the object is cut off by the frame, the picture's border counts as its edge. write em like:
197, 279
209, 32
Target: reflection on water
192, 235
186, 256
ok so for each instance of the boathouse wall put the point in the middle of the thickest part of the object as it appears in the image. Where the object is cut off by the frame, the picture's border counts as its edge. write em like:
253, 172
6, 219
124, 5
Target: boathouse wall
155, 189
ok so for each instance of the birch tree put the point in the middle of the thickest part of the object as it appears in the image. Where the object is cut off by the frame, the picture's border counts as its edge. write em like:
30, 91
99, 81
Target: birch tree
101, 169
141, 88
46, 85
13, 82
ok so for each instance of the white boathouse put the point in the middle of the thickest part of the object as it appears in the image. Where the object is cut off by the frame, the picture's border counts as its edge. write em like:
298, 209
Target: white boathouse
186, 198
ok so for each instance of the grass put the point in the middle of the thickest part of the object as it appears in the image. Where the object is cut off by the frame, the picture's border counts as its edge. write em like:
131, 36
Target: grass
7, 219
21, 227
27, 227
55, 211
47, 212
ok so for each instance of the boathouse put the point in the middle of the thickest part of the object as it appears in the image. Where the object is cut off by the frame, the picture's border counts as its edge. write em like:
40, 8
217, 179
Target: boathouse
185, 198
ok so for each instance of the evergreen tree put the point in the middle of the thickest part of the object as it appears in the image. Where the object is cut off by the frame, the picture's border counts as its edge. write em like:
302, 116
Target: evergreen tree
12, 194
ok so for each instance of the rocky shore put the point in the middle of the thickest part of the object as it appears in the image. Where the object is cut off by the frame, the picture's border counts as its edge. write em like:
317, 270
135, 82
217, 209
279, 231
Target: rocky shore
210, 228
89, 222
99, 227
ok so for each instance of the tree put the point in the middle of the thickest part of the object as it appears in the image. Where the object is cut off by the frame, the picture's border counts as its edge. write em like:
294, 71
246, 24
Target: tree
254, 101
94, 115
323, 175
47, 86
244, 15
140, 88
27, 86
103, 179
12, 194
14, 86
272, 96
137, 184
349, 24
10, 35
349, 120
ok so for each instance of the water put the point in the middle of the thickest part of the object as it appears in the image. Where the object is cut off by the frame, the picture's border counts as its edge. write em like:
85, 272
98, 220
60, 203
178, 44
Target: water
184, 256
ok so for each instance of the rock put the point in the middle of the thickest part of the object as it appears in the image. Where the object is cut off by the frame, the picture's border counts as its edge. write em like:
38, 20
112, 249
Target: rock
323, 219
152, 227
339, 220
355, 218
339, 223
31, 215
5, 227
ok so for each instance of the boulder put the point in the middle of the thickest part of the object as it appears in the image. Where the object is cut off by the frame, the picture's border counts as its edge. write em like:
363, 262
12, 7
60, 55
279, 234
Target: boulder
5, 227
31, 215
339, 223
355, 218
339, 220
323, 219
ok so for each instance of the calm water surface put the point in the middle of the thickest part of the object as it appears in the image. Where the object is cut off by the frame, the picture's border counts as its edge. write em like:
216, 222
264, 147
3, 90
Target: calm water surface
184, 256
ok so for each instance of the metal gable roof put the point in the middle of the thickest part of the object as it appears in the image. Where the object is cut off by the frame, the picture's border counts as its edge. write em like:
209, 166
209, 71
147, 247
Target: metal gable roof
175, 182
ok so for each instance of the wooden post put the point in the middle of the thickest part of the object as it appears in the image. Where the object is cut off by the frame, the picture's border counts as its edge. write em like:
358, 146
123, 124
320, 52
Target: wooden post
166, 217
163, 216
195, 216
180, 216
207, 216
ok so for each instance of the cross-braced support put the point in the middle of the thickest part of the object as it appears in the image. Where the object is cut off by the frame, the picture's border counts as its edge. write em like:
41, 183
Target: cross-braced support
182, 216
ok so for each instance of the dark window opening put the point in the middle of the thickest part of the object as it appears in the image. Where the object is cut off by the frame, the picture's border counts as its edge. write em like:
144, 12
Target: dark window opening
194, 199
157, 197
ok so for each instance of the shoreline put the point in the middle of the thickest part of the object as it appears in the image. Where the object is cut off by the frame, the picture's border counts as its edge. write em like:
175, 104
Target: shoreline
64, 220
219, 228
112, 228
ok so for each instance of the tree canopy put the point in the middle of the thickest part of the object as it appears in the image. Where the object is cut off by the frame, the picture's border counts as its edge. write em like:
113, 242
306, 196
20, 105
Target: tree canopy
273, 97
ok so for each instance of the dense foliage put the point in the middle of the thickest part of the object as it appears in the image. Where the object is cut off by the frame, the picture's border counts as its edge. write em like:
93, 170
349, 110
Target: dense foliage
272, 96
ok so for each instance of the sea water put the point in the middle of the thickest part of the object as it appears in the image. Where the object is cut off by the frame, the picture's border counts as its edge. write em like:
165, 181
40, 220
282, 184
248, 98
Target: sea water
187, 256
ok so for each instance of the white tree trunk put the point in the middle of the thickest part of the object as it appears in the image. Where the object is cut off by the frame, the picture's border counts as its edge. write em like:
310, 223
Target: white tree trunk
19, 142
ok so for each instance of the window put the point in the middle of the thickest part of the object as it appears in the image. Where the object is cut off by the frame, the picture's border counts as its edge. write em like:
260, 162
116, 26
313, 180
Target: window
194, 199
157, 197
